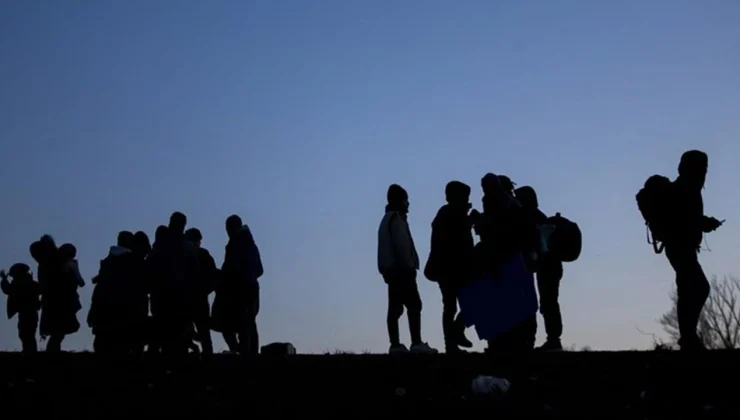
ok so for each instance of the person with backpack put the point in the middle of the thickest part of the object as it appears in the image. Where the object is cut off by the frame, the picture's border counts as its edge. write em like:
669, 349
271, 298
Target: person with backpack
548, 269
502, 229
674, 214
60, 300
398, 263
450, 261
23, 299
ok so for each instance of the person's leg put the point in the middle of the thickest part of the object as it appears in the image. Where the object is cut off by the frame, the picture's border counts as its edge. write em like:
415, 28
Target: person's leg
203, 327
27, 326
412, 301
231, 341
248, 337
548, 285
692, 289
450, 328
413, 304
395, 309
254, 344
54, 345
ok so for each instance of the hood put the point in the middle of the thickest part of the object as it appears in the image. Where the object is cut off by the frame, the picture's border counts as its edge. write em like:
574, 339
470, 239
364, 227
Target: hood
443, 213
116, 250
448, 212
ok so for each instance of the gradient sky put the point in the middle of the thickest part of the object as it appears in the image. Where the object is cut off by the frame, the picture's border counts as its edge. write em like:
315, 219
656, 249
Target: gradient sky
299, 114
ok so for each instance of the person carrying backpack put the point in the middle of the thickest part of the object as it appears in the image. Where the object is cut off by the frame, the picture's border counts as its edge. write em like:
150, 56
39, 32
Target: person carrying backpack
548, 269
674, 214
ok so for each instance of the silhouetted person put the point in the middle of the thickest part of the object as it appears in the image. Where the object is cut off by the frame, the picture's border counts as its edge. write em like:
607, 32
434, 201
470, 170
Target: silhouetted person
398, 263
60, 301
142, 247
683, 242
501, 226
204, 286
141, 285
68, 255
23, 299
504, 233
237, 301
506, 184
157, 269
549, 271
115, 314
450, 260
178, 292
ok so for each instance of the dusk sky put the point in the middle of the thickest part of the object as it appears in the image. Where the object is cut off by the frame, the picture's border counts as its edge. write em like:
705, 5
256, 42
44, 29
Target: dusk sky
297, 115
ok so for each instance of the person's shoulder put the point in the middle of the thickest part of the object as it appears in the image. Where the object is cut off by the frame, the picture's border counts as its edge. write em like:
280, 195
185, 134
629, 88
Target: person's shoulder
204, 253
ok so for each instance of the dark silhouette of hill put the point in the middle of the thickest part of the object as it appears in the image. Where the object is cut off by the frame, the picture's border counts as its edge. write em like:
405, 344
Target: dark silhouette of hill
588, 384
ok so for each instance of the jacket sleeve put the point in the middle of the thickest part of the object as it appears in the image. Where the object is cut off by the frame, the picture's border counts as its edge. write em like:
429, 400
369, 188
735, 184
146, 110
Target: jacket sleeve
403, 244
5, 286
245, 260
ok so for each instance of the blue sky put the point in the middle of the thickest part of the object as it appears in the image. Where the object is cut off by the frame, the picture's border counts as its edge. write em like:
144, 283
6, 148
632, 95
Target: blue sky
298, 115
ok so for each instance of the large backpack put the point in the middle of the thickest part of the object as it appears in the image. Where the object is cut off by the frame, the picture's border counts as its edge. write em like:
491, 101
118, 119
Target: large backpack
654, 200
565, 242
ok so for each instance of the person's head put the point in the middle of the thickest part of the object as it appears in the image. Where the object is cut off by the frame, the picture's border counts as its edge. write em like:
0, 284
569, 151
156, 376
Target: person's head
178, 221
19, 271
457, 193
506, 184
233, 224
693, 167
37, 251
160, 235
67, 252
141, 243
490, 184
527, 197
398, 198
194, 236
125, 239
48, 245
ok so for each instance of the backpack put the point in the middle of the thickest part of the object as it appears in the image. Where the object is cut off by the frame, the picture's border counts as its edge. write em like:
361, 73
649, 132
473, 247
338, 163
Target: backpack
654, 203
566, 240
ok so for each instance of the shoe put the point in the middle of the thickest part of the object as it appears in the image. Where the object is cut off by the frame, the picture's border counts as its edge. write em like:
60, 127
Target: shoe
551, 345
423, 348
397, 349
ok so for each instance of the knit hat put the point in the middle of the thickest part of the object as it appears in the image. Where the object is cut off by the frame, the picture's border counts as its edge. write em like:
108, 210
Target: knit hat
396, 194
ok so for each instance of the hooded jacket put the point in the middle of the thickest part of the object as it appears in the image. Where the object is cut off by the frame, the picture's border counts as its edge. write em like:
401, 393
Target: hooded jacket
452, 245
396, 250
242, 261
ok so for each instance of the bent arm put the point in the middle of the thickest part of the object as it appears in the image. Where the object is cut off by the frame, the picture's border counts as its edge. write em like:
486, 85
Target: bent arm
5, 286
403, 244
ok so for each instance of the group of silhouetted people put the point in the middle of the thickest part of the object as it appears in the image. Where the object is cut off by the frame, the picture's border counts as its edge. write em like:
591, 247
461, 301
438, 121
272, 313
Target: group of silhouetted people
510, 224
146, 297
155, 298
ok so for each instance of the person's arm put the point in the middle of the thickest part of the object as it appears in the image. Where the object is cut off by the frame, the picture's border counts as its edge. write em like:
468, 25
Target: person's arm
710, 224
76, 270
4, 284
402, 243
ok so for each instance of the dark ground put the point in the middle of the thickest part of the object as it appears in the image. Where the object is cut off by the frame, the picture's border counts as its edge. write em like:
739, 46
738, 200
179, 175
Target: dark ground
580, 384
